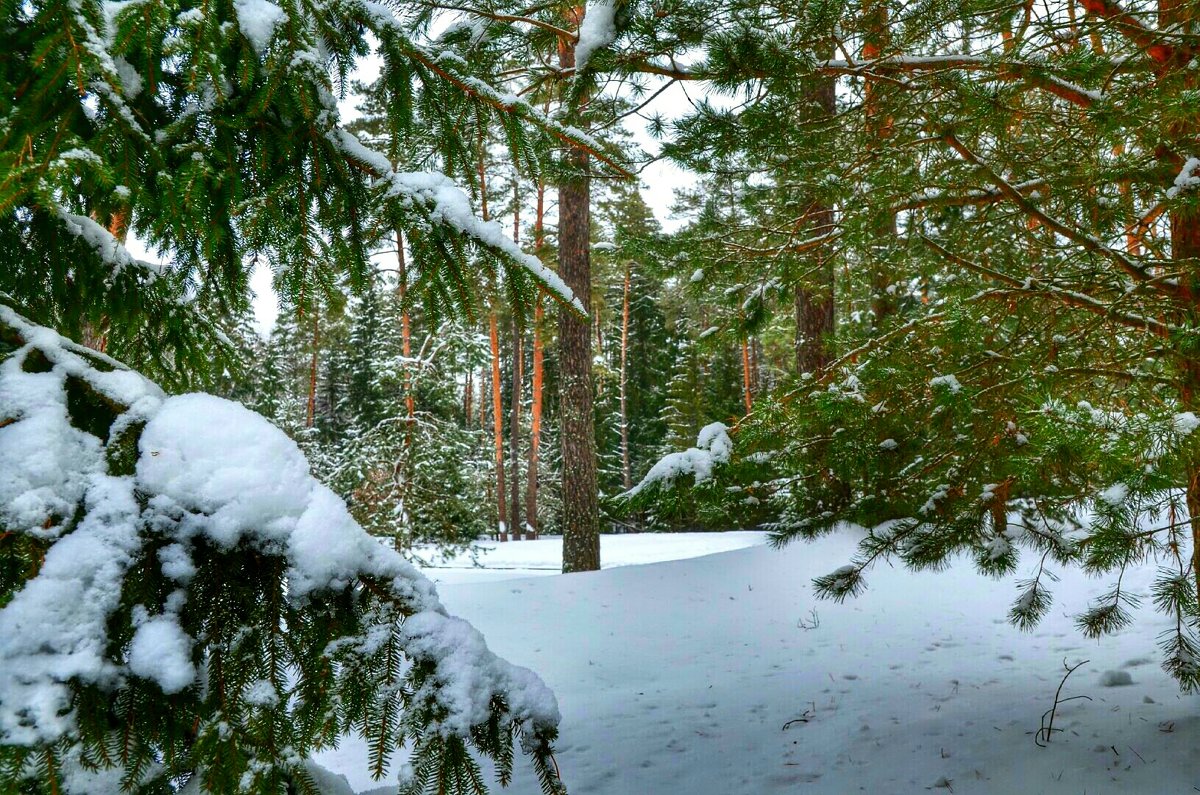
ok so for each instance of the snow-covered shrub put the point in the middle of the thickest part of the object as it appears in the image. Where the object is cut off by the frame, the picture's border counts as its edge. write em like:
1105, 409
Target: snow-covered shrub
183, 606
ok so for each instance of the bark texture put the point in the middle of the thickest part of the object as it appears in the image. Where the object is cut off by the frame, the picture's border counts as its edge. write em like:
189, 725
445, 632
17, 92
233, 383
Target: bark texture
581, 505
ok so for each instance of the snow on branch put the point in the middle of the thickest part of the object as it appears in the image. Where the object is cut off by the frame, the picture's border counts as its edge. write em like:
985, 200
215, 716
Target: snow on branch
447, 203
105, 244
713, 447
597, 30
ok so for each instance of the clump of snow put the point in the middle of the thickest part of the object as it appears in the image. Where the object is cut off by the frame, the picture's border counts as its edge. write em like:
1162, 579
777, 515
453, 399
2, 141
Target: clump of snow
1185, 422
597, 31
55, 628
1114, 495
948, 381
162, 651
257, 20
466, 686
1186, 179
713, 446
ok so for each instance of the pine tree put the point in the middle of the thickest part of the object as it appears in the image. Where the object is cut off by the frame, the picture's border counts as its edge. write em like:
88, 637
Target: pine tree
1017, 223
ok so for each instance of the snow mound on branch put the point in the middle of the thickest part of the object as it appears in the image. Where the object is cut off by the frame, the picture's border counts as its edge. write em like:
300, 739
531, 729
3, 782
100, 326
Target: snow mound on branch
713, 447
1186, 179
598, 30
446, 203
257, 20
207, 471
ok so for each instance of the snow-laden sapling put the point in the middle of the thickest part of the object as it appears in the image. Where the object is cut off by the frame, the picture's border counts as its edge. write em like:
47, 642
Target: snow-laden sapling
183, 606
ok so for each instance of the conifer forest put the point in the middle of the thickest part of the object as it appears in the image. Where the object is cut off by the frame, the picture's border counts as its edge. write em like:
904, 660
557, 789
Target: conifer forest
622, 397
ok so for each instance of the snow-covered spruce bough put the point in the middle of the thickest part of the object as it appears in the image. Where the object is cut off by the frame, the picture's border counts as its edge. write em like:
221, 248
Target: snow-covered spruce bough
180, 600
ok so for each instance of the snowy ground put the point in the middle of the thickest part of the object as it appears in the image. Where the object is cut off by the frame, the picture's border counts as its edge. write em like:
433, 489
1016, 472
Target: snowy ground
493, 561
683, 676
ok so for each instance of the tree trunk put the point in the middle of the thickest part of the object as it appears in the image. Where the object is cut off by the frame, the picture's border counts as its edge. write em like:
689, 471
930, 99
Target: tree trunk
581, 505
311, 417
815, 299
626, 471
535, 386
468, 393
535, 425
879, 129
498, 430
514, 433
405, 328
815, 304
746, 395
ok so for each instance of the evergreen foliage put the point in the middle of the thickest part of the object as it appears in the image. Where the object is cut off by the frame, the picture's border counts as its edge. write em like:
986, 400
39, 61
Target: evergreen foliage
1014, 245
167, 621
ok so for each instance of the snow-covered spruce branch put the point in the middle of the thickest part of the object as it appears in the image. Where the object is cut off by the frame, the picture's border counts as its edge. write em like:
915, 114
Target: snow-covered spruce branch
106, 245
446, 203
713, 448
129, 520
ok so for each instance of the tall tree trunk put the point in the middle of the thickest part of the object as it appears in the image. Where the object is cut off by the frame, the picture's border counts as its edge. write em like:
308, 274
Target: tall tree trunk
746, 394
626, 470
518, 377
497, 401
879, 129
514, 432
535, 425
468, 393
405, 327
581, 504
498, 429
535, 386
311, 417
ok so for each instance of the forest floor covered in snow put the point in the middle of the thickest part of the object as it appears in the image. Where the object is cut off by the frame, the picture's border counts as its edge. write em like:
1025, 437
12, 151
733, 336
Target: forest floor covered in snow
722, 675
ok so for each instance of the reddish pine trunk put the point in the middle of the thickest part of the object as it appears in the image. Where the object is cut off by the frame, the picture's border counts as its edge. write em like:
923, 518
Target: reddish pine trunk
535, 424
405, 327
581, 505
626, 470
514, 433
498, 430
514, 417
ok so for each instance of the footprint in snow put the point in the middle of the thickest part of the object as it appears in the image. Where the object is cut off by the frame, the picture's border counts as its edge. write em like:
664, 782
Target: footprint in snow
1115, 679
